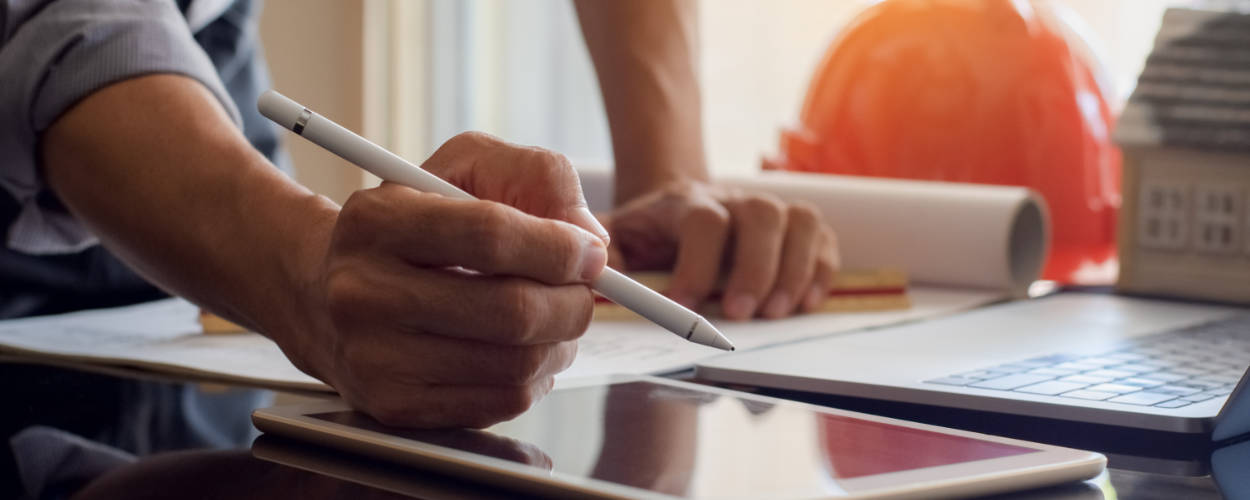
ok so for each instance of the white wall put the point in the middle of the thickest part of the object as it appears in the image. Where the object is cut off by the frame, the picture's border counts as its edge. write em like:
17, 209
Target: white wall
314, 52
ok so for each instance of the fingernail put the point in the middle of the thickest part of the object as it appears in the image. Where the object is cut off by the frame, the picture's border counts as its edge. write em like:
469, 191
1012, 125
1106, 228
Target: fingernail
740, 306
593, 224
815, 297
594, 257
779, 305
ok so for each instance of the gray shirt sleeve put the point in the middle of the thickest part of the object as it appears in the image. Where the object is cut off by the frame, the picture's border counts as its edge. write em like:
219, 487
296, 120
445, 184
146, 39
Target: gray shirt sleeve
53, 53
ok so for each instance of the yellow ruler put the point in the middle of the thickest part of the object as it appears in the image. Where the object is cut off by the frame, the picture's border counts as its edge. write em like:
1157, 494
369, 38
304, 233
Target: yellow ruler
853, 291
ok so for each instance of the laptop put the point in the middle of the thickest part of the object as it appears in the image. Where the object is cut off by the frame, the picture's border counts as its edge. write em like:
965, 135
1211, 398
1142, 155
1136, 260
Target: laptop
1082, 357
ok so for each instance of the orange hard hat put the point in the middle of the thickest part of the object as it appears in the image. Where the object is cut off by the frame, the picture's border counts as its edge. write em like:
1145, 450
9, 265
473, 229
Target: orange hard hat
983, 91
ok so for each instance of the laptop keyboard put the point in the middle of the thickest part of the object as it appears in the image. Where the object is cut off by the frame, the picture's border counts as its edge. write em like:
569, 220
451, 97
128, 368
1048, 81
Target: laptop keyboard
1172, 369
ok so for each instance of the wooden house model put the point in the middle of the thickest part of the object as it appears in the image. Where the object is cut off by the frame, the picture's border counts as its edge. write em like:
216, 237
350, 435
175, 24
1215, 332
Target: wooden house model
1184, 228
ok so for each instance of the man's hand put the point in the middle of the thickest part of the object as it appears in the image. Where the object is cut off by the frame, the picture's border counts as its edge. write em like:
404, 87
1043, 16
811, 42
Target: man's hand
421, 310
780, 257
441, 312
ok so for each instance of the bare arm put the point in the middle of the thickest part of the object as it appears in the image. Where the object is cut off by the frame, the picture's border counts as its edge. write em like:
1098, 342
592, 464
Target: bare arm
644, 53
780, 256
155, 168
371, 298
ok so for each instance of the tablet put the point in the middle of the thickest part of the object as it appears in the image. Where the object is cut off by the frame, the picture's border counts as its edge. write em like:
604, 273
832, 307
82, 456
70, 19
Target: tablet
645, 437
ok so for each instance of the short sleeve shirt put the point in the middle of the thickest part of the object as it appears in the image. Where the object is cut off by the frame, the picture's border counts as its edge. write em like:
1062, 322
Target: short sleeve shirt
53, 53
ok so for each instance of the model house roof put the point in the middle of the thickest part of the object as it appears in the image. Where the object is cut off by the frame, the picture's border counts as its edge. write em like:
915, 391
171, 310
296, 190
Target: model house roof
1195, 89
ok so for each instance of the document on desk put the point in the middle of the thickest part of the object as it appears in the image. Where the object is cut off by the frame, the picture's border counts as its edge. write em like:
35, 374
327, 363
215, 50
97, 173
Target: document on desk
162, 337
642, 348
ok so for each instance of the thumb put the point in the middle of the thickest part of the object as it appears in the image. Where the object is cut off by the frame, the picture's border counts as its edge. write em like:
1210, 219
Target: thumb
580, 214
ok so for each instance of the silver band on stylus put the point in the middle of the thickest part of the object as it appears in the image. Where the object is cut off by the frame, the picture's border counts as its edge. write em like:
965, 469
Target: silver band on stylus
302, 121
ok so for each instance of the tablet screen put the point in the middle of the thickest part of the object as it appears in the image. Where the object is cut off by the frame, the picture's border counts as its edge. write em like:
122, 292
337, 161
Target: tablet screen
687, 442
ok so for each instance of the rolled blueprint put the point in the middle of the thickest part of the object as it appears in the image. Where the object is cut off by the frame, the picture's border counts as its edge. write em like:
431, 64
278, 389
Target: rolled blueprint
940, 233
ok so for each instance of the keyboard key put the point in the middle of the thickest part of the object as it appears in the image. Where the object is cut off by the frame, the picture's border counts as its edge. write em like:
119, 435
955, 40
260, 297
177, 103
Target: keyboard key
1220, 367
1051, 388
1011, 381
1205, 385
1167, 376
1012, 368
1114, 374
1100, 361
1142, 398
1054, 372
1152, 351
1126, 356
1077, 366
1116, 388
1221, 379
1053, 358
953, 381
980, 374
1022, 365
1198, 398
1182, 357
1086, 379
1139, 367
1144, 383
1189, 370
1089, 395
1175, 403
1179, 390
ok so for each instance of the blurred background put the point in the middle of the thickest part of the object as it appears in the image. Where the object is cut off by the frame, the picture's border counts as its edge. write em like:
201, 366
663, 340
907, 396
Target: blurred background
411, 73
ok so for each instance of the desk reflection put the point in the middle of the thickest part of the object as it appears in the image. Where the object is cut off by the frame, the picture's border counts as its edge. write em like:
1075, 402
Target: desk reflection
470, 440
651, 437
291, 469
233, 474
649, 446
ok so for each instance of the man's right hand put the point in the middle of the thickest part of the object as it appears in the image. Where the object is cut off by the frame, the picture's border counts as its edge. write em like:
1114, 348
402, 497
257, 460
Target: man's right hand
421, 310
434, 312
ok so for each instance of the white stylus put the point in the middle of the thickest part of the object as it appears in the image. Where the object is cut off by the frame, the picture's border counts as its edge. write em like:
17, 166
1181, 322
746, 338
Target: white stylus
386, 165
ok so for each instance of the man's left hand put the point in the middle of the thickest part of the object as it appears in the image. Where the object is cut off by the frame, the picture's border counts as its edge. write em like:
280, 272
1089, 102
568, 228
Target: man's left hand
780, 257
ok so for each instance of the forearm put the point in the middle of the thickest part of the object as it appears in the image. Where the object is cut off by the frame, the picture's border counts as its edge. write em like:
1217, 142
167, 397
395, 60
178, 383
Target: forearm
644, 54
155, 168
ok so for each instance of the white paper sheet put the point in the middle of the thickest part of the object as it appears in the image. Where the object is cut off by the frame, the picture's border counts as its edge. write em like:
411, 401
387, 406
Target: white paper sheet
161, 336
641, 347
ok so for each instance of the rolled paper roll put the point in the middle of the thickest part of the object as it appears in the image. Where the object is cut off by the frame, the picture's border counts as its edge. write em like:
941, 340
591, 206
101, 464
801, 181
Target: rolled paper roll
939, 233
